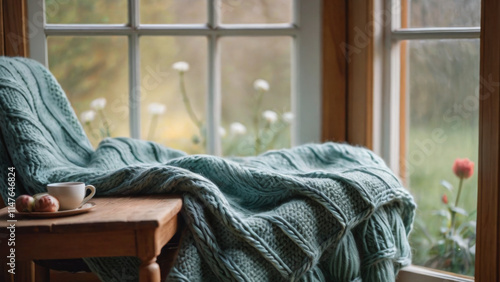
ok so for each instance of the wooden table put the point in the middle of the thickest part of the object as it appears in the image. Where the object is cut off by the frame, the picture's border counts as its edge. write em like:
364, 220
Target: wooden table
116, 226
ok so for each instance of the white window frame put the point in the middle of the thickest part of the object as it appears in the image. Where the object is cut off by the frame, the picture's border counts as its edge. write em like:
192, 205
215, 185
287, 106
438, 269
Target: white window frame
305, 30
386, 111
386, 117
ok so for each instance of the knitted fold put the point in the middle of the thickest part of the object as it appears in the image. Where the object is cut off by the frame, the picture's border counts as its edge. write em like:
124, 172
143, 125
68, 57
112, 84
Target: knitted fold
316, 212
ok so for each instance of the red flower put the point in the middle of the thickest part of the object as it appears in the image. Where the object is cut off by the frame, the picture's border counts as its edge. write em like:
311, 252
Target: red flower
463, 168
444, 199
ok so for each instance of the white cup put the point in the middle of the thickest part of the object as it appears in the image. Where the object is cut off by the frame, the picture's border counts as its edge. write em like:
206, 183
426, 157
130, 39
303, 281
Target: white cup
71, 195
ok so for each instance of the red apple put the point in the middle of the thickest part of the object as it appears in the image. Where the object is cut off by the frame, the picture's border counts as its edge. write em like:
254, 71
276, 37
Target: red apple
25, 203
46, 203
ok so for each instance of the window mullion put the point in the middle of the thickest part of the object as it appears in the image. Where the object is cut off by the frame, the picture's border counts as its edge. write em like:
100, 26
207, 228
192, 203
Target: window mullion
295, 87
213, 13
390, 93
213, 101
134, 74
213, 114
296, 13
436, 33
38, 40
173, 29
306, 73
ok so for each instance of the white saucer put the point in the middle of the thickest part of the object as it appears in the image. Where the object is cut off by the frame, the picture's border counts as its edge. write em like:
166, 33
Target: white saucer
85, 208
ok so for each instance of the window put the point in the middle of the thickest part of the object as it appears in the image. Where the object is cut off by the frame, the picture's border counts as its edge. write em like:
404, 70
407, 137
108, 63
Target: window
338, 74
429, 116
227, 44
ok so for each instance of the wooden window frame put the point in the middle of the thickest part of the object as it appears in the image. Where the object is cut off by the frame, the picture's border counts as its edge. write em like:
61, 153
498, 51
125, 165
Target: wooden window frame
344, 118
334, 71
13, 28
2, 33
13, 32
488, 223
488, 205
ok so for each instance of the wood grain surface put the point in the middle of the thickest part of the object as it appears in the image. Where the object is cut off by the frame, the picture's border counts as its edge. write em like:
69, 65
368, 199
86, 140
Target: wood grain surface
111, 213
117, 226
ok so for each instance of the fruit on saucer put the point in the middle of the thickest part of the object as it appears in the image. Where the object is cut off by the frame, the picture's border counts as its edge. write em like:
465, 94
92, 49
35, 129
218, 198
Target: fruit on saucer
41, 202
25, 203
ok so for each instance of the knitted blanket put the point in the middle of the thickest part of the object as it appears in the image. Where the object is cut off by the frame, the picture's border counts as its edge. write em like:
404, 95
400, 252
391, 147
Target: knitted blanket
317, 212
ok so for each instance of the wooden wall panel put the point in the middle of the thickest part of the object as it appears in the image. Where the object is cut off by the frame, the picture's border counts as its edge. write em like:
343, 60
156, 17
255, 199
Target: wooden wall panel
488, 206
360, 73
334, 102
2, 44
348, 71
15, 36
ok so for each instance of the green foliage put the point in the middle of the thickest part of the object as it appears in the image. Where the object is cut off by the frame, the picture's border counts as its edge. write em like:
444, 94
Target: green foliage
454, 249
450, 244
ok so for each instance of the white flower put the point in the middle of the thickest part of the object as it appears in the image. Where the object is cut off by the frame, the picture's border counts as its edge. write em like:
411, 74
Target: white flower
288, 117
87, 116
98, 104
222, 132
157, 109
237, 128
181, 66
261, 85
270, 116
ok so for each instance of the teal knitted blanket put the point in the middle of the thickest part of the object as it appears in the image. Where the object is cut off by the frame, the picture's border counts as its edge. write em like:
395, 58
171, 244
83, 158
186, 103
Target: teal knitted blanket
318, 212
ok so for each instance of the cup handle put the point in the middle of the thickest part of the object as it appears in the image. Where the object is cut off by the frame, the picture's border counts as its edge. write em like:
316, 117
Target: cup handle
92, 193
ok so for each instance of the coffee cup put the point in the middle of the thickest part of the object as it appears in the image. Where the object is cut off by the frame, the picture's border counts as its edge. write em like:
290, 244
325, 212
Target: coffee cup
71, 195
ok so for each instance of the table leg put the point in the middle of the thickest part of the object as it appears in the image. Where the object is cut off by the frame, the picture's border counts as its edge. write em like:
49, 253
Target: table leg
149, 271
42, 274
25, 271
4, 276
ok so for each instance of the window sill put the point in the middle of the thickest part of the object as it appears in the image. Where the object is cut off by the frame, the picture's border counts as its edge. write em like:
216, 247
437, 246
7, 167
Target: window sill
415, 273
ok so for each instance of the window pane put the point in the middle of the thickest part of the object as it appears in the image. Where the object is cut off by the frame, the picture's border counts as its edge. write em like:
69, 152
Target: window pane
173, 11
244, 61
256, 11
444, 117
444, 13
173, 126
86, 11
89, 68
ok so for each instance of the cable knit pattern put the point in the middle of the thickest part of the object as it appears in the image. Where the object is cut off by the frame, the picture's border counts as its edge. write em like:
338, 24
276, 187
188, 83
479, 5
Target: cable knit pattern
317, 212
